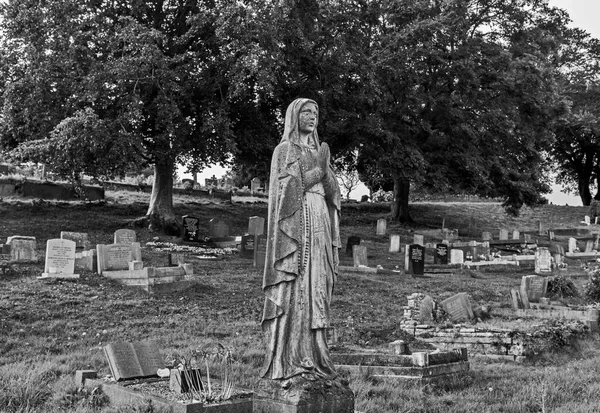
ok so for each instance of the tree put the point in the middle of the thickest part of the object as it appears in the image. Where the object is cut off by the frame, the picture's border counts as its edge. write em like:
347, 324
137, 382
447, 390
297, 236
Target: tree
148, 72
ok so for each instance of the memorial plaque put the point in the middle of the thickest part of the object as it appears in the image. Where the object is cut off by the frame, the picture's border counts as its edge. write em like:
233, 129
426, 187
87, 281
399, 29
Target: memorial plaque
359, 253
394, 243
458, 307
535, 287
381, 226
81, 239
124, 236
134, 360
256, 225
247, 246
419, 239
352, 241
441, 254
260, 251
417, 258
218, 229
191, 228
457, 256
503, 235
115, 257
543, 260
60, 257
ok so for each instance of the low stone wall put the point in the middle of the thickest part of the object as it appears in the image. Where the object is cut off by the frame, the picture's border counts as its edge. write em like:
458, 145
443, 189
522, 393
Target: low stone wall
48, 190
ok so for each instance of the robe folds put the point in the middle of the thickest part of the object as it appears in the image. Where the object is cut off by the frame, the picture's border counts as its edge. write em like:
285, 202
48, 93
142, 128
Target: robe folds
301, 258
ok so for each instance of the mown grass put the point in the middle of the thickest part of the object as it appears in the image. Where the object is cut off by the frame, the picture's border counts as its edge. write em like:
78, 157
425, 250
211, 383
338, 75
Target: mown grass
50, 329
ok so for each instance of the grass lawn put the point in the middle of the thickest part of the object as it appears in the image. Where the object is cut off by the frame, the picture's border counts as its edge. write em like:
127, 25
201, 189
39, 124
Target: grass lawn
49, 329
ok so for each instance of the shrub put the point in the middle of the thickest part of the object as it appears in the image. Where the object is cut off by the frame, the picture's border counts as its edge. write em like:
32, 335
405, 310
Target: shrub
592, 288
562, 287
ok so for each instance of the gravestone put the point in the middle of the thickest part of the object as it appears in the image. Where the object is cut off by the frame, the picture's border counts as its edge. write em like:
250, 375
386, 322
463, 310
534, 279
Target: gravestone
589, 246
394, 243
534, 286
115, 257
527, 238
124, 236
418, 239
247, 246
134, 360
191, 228
22, 248
84, 260
381, 226
359, 253
516, 234
458, 307
81, 239
518, 303
441, 254
503, 235
255, 184
551, 235
449, 234
260, 251
487, 236
572, 244
60, 259
426, 310
352, 241
543, 260
256, 225
218, 229
587, 220
457, 256
176, 259
417, 258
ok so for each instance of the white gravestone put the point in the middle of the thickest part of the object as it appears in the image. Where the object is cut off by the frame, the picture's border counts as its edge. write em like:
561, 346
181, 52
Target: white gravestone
124, 236
114, 257
543, 260
457, 256
394, 243
60, 259
572, 244
419, 239
503, 235
381, 226
516, 234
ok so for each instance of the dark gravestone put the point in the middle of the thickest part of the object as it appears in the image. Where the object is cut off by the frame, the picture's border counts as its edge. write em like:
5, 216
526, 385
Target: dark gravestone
247, 246
417, 258
191, 228
441, 254
218, 229
133, 360
352, 241
260, 251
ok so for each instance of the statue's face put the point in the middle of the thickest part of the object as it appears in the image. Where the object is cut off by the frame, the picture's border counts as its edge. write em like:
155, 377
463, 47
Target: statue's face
308, 118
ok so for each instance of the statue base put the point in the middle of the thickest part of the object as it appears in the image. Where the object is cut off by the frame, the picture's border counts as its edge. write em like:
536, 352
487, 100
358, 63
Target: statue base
303, 395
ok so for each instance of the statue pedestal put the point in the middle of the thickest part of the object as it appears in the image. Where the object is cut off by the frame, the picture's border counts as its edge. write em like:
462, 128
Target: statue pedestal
300, 395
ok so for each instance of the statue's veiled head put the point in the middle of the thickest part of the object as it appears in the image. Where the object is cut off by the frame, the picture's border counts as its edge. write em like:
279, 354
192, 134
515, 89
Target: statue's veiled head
292, 120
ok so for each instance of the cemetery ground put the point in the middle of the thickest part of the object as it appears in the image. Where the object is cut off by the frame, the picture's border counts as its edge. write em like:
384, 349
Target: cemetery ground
51, 328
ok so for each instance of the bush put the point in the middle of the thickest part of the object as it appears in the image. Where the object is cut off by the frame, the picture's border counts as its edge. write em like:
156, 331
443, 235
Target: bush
562, 287
592, 288
383, 196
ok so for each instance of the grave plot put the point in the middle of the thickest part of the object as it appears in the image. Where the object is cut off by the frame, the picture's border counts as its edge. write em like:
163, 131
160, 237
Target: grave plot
155, 279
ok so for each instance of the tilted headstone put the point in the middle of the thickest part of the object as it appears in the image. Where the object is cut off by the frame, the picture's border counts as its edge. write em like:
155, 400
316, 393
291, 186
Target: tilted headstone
115, 257
516, 234
517, 300
441, 254
458, 307
457, 256
572, 244
419, 239
359, 253
417, 259
487, 236
247, 246
534, 286
260, 251
22, 248
543, 260
218, 229
589, 246
60, 258
191, 228
134, 360
81, 239
381, 226
352, 241
124, 236
394, 243
256, 225
503, 235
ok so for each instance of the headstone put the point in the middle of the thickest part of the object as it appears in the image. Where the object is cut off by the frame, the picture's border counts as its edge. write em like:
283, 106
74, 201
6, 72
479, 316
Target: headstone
516, 234
457, 256
449, 234
255, 184
458, 307
441, 254
359, 253
394, 243
543, 260
534, 286
487, 236
260, 251
84, 260
352, 241
191, 228
517, 300
503, 235
572, 244
256, 225
22, 248
417, 259
176, 259
589, 246
133, 360
247, 246
540, 229
551, 235
419, 239
218, 229
587, 220
60, 259
381, 226
81, 239
115, 257
426, 310
527, 238
124, 236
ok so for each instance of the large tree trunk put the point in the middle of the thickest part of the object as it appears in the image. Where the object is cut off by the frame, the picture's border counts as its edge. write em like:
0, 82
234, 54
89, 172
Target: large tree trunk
161, 215
400, 203
584, 179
